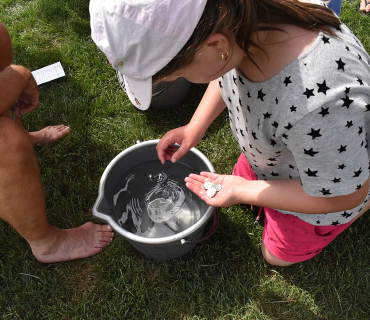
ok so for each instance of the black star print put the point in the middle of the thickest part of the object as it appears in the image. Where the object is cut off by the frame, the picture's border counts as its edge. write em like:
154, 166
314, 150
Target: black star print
274, 174
254, 136
323, 87
342, 149
360, 130
287, 81
291, 166
325, 192
275, 124
240, 102
234, 79
285, 136
258, 150
241, 80
244, 149
241, 132
276, 100
336, 180
357, 173
346, 102
250, 146
289, 126
340, 63
358, 188
273, 142
271, 159
349, 124
367, 107
293, 109
359, 57
261, 94
325, 39
267, 115
249, 109
360, 81
347, 48
233, 91
237, 109
311, 173
346, 214
271, 164
335, 223
341, 166
308, 93
314, 133
229, 99
347, 90
259, 123
220, 84
324, 111
318, 221
248, 94
310, 152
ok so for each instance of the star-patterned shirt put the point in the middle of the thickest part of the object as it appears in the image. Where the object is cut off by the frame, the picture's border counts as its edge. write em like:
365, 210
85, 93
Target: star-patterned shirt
310, 121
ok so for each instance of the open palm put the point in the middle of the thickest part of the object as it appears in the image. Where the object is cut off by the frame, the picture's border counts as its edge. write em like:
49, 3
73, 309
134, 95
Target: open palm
226, 197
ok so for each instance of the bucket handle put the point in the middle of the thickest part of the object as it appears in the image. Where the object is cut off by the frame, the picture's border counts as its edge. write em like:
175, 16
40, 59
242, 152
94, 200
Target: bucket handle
211, 231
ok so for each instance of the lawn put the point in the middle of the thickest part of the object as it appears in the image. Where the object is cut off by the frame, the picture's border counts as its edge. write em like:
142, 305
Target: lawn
224, 277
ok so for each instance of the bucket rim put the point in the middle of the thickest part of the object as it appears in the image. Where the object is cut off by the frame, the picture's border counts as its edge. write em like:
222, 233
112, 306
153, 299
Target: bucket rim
130, 236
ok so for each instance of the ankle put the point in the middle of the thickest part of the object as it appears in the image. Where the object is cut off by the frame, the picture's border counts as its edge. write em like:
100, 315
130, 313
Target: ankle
46, 243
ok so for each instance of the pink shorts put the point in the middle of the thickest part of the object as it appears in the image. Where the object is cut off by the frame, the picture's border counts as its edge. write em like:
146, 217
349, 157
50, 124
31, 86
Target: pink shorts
284, 235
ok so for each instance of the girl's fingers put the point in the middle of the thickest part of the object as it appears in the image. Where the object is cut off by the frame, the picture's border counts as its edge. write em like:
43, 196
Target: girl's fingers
194, 182
210, 175
196, 177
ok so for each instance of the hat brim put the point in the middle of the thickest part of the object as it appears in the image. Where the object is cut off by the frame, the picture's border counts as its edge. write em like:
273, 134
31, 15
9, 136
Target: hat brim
139, 92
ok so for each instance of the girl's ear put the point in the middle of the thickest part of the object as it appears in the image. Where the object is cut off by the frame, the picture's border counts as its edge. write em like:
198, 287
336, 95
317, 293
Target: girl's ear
218, 41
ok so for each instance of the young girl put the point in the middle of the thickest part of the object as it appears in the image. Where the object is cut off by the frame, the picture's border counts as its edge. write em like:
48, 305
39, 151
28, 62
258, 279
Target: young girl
295, 81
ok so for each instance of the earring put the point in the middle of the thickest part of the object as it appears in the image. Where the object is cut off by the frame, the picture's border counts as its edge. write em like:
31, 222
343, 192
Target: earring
225, 56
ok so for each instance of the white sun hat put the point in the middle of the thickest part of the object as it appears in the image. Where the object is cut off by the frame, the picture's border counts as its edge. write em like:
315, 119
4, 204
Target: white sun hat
140, 37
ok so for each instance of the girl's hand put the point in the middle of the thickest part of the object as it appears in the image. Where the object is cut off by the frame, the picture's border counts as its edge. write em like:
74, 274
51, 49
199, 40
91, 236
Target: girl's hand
226, 197
29, 98
185, 136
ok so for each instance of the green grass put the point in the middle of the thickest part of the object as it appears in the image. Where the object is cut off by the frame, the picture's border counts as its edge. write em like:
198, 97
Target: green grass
223, 278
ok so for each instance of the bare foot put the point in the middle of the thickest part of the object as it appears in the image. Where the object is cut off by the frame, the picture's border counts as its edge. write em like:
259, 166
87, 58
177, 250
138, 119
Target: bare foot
76, 243
48, 134
365, 6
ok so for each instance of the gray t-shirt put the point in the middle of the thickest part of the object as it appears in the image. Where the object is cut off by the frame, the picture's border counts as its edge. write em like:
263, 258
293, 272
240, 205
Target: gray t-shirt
310, 121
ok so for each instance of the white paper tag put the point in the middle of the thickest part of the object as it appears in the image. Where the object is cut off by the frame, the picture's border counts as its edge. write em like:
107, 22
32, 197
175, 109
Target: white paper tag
48, 73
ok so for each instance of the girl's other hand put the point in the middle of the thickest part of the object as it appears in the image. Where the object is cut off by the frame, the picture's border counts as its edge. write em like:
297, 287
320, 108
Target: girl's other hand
226, 197
184, 136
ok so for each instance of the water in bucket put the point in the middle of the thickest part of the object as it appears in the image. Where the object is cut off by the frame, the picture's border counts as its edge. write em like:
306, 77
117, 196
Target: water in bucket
153, 201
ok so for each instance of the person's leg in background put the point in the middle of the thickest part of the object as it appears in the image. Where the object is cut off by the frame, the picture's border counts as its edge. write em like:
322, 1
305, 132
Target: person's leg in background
336, 6
22, 202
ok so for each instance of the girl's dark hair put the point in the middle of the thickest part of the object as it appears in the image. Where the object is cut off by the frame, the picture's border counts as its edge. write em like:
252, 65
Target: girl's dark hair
242, 17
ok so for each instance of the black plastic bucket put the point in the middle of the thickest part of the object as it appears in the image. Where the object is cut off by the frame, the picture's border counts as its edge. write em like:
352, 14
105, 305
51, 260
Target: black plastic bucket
168, 247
